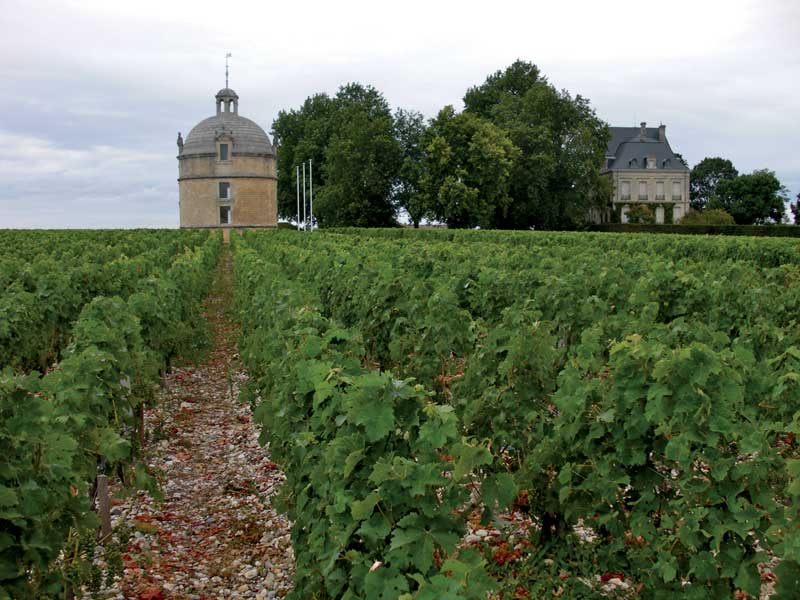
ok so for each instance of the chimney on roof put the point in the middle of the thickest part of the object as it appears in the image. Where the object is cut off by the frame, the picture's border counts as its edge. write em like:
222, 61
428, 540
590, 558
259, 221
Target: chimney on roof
662, 133
643, 131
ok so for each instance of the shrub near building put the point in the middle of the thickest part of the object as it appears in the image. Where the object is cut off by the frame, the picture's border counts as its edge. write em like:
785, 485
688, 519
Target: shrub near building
712, 216
641, 214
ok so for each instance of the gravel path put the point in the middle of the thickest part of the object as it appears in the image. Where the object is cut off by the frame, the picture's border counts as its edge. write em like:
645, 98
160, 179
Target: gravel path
215, 534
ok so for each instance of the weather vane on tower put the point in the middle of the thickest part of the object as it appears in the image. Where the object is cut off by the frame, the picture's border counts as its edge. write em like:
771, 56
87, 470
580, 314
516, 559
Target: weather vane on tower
227, 56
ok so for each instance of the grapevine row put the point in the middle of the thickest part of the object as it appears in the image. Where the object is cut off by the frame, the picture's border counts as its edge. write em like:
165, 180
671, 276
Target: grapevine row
60, 430
647, 393
47, 277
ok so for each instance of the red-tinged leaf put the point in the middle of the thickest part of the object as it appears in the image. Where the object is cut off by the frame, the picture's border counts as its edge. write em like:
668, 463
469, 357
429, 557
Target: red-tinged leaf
143, 518
151, 594
609, 575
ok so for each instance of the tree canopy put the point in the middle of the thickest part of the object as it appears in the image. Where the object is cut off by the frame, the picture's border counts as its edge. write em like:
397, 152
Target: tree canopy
756, 198
705, 177
409, 130
522, 154
466, 170
350, 138
557, 177
303, 134
361, 162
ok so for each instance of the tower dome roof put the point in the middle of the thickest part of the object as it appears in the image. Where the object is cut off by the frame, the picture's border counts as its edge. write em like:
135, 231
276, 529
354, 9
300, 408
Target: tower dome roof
227, 93
247, 136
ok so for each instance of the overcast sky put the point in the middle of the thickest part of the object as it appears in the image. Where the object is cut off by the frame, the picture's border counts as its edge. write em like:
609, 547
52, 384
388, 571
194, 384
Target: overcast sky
95, 92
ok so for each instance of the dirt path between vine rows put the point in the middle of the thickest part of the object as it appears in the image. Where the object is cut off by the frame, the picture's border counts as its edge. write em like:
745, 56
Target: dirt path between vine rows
215, 534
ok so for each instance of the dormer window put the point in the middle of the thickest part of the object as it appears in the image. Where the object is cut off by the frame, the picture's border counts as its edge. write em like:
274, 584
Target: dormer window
223, 151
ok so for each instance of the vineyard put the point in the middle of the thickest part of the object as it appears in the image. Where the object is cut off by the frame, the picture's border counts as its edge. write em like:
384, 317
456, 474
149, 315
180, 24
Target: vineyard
635, 399
641, 390
87, 322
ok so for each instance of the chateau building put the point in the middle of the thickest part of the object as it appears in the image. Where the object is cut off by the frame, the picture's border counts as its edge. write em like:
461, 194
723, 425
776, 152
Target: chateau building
644, 170
226, 171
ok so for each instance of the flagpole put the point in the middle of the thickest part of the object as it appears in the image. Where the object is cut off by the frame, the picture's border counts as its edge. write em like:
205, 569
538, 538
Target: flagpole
298, 197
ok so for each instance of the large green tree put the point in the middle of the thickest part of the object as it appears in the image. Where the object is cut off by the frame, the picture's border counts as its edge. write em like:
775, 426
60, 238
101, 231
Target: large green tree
302, 134
796, 210
556, 178
409, 130
756, 198
705, 177
350, 138
467, 168
362, 160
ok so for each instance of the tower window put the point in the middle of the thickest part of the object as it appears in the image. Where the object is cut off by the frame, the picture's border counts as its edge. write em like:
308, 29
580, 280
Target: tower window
224, 215
223, 151
224, 191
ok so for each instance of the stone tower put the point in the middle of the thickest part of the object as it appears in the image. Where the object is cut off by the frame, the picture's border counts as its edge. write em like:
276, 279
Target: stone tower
226, 171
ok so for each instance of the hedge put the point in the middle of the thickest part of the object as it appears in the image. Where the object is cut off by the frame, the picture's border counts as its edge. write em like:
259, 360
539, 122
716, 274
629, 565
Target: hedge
756, 230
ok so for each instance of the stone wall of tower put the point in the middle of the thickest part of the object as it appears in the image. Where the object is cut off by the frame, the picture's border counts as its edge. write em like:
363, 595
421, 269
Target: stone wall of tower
209, 166
253, 191
253, 202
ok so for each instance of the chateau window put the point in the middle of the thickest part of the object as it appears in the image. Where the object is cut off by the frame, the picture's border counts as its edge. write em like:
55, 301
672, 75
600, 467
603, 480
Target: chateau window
224, 191
642, 190
659, 190
676, 190
224, 215
223, 151
626, 190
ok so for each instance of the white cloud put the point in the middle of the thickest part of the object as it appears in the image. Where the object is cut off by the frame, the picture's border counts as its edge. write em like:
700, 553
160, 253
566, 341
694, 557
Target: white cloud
97, 90
47, 185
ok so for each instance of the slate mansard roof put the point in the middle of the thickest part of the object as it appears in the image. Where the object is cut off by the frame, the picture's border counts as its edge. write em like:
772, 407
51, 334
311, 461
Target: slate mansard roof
248, 137
630, 147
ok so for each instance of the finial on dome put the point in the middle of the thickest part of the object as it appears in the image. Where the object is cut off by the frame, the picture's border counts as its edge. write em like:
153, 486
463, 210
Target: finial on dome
227, 56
